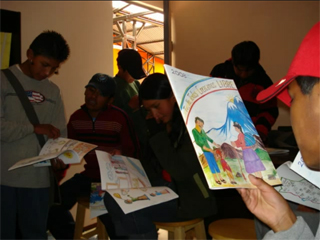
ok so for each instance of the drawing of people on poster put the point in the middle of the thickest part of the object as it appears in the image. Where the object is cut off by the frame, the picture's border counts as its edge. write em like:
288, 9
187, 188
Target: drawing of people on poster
225, 166
252, 162
217, 103
201, 139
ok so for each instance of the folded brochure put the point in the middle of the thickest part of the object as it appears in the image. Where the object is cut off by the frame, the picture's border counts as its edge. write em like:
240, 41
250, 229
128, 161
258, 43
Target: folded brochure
68, 150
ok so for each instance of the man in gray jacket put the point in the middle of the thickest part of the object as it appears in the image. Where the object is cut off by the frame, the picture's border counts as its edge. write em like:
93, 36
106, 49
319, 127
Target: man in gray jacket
25, 191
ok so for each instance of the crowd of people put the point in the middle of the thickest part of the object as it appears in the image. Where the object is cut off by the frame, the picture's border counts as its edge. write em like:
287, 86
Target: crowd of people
143, 121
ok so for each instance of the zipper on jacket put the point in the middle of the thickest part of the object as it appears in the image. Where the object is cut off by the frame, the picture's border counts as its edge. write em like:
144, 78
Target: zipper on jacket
93, 124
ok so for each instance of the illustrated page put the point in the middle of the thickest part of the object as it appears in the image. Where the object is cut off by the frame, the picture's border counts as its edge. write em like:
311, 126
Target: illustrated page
296, 188
225, 140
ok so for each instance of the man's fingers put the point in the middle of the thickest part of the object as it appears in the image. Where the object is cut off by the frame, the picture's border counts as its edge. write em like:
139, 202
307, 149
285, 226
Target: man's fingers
55, 132
259, 183
57, 164
47, 129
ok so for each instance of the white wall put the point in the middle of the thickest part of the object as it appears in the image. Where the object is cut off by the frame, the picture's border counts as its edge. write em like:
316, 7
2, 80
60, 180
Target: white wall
87, 27
204, 33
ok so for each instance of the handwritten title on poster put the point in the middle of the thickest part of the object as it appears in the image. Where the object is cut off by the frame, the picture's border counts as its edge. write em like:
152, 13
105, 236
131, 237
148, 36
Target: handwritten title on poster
202, 88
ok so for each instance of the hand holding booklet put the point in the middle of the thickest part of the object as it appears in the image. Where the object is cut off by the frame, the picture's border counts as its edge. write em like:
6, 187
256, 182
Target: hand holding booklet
68, 150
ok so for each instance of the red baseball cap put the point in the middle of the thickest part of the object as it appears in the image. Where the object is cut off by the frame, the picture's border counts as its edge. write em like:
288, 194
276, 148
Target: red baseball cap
306, 62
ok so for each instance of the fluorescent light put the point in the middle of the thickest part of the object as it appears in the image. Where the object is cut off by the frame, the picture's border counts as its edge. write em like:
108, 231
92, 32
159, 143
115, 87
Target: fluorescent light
135, 9
118, 4
117, 46
156, 16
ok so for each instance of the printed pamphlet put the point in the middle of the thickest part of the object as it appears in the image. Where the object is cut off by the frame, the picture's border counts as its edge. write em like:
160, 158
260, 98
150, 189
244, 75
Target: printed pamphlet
96, 205
68, 150
299, 183
300, 167
224, 137
126, 181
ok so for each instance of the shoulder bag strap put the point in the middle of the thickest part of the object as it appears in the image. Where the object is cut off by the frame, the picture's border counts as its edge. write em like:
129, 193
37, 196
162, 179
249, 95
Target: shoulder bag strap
31, 114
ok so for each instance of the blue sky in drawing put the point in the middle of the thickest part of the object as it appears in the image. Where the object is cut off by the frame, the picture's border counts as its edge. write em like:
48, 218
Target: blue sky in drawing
213, 109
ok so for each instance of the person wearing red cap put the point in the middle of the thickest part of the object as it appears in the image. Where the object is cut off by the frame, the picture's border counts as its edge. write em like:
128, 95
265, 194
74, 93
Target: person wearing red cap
300, 90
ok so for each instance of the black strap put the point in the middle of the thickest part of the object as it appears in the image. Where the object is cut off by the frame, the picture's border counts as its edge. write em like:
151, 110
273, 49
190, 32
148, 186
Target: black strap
31, 114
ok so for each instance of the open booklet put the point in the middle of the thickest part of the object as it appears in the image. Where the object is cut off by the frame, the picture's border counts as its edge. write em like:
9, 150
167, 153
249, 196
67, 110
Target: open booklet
126, 181
299, 183
221, 130
68, 150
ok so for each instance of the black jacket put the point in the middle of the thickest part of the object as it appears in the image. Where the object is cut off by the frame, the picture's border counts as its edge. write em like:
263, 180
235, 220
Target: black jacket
263, 115
177, 156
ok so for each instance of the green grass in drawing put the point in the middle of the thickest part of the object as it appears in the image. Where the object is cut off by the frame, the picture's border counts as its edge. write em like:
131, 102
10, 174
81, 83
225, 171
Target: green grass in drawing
238, 167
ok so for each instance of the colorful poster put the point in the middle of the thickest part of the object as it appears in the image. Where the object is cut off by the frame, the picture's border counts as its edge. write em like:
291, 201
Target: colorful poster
224, 138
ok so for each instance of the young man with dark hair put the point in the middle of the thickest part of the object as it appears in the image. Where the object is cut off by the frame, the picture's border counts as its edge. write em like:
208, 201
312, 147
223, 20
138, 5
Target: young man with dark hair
245, 56
100, 123
250, 78
300, 90
25, 191
127, 92
50, 44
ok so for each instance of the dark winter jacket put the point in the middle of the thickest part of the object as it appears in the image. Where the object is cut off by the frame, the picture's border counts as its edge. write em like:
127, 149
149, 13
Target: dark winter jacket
263, 115
112, 129
177, 156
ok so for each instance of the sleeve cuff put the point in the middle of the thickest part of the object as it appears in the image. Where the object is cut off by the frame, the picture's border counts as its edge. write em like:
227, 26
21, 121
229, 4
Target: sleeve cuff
299, 230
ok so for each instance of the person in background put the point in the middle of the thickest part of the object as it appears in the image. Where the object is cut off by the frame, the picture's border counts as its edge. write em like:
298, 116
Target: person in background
25, 191
250, 78
97, 122
127, 91
300, 90
173, 151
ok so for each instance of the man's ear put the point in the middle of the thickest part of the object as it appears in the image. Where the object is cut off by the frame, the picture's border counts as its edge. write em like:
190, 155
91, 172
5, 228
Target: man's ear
30, 54
110, 100
121, 68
